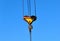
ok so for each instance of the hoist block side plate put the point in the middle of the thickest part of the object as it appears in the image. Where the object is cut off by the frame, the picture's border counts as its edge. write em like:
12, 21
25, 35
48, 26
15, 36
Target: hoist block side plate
29, 19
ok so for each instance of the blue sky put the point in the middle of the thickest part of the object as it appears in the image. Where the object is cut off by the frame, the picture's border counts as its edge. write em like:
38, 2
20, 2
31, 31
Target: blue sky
45, 28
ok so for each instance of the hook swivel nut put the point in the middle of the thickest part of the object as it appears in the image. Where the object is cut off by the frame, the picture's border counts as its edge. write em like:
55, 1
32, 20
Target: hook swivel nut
30, 28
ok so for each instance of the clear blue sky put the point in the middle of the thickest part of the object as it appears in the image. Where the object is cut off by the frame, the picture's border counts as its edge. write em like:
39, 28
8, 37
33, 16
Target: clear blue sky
45, 28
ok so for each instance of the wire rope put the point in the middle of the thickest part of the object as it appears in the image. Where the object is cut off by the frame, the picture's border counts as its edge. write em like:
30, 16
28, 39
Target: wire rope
30, 36
29, 7
23, 7
35, 7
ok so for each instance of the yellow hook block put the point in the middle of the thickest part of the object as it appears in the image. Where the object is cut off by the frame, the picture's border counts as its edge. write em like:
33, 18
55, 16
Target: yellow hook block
29, 19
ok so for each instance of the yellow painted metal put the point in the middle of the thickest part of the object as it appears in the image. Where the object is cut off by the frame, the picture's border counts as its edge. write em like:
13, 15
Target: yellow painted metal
28, 19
